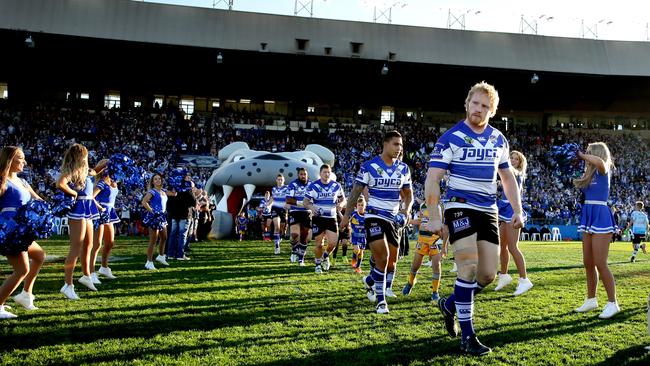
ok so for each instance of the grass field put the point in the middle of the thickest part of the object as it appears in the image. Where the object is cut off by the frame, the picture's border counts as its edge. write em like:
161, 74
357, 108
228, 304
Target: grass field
236, 303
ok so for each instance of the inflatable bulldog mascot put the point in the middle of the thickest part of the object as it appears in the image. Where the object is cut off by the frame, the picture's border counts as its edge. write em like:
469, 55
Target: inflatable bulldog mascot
242, 170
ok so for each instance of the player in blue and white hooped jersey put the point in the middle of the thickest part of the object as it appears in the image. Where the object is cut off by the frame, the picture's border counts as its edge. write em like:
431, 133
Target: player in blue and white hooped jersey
388, 181
299, 216
278, 213
597, 226
105, 193
474, 153
509, 235
264, 210
75, 181
639, 228
323, 198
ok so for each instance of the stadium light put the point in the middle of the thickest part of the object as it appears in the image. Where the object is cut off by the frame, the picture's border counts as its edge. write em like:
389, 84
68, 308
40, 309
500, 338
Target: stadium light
592, 30
219, 58
534, 79
384, 70
29, 42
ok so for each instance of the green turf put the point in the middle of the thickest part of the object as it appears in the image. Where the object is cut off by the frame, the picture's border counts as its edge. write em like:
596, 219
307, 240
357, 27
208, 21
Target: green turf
236, 303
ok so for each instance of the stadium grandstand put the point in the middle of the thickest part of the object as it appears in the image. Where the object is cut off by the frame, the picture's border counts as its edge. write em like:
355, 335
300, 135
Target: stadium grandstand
167, 84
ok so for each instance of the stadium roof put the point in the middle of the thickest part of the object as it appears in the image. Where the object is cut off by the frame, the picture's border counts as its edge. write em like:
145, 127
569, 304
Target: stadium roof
127, 20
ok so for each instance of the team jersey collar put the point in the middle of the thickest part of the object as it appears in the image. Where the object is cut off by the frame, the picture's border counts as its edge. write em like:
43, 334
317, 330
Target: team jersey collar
482, 138
388, 169
326, 185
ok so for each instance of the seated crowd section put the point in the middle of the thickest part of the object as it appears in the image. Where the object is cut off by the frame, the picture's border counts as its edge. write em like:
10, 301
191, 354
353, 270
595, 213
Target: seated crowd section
156, 139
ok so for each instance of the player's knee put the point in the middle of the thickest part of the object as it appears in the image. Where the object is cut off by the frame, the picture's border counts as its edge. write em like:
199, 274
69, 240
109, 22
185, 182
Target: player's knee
381, 263
485, 278
467, 270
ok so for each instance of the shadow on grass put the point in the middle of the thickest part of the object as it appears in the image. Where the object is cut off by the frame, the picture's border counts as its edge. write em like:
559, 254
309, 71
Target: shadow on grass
149, 320
630, 356
401, 352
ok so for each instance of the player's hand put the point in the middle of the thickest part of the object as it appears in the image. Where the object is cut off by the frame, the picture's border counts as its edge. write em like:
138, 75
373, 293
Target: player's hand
517, 221
435, 226
443, 252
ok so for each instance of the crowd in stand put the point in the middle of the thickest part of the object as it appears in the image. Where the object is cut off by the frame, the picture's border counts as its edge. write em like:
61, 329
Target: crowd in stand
156, 140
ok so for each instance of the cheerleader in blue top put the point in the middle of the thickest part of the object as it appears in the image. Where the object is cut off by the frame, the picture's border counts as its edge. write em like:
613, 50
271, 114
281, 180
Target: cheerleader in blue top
597, 226
15, 192
155, 202
509, 235
105, 193
75, 181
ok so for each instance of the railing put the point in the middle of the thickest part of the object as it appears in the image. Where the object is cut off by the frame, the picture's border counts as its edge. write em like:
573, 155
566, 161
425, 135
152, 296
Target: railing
554, 221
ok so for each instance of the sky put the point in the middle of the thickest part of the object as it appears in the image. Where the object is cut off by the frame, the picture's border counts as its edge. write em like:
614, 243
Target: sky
613, 20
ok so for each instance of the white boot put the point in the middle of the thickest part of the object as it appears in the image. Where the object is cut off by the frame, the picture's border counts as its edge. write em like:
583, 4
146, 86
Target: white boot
523, 286
611, 309
589, 304
504, 280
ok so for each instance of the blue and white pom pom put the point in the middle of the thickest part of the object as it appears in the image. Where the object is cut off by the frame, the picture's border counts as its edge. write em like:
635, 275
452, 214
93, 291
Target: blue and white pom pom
37, 217
400, 220
7, 235
123, 169
155, 220
104, 218
176, 181
31, 221
62, 204
566, 159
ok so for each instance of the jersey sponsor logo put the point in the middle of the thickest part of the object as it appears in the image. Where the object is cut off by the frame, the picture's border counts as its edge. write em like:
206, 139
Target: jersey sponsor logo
326, 194
460, 224
478, 154
375, 230
388, 182
468, 140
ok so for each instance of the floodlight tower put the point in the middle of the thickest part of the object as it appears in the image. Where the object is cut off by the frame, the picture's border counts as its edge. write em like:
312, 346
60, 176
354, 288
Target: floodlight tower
228, 3
385, 12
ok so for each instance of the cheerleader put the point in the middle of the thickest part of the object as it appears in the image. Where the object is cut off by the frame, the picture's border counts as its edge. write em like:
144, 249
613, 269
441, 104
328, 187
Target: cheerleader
597, 226
75, 181
26, 262
105, 193
509, 236
155, 202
